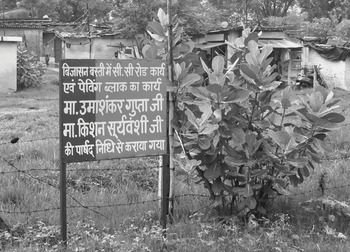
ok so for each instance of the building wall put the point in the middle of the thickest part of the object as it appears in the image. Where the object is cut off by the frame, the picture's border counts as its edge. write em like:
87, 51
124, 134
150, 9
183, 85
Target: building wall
347, 73
101, 48
198, 40
104, 48
8, 66
32, 37
76, 48
48, 43
272, 35
34, 40
332, 71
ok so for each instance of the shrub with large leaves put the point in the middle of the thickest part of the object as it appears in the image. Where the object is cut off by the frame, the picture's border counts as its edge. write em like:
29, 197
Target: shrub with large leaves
245, 138
29, 68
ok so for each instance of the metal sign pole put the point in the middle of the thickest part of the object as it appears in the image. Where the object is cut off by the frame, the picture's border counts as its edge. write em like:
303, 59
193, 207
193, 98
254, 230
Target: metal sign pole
63, 175
166, 158
63, 203
165, 192
171, 112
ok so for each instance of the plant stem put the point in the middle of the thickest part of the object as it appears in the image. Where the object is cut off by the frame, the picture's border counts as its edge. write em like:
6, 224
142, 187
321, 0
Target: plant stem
206, 182
253, 111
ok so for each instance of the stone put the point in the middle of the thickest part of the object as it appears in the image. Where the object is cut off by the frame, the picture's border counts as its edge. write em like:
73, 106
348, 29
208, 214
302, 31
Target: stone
3, 225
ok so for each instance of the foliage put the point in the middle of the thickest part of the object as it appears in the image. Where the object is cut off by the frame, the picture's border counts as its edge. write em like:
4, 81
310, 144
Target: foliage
319, 27
143, 233
195, 16
144, 178
43, 237
190, 230
336, 9
325, 27
132, 17
8, 4
70, 10
292, 20
343, 28
330, 212
244, 139
277, 8
29, 68
246, 147
237, 10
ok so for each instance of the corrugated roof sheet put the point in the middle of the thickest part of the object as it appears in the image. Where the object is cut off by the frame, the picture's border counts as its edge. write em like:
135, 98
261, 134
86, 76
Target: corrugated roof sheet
21, 25
208, 45
279, 43
94, 34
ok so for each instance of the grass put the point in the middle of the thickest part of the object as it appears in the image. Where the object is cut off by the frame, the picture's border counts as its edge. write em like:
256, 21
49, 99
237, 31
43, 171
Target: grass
111, 187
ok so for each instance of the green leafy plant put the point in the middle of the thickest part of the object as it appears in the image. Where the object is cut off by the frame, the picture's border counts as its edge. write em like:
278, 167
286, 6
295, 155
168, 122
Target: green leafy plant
245, 138
186, 61
29, 68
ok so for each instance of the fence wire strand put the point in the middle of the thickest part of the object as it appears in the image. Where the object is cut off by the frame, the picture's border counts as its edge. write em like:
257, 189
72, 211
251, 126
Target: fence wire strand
78, 170
92, 208
89, 207
100, 206
52, 185
29, 141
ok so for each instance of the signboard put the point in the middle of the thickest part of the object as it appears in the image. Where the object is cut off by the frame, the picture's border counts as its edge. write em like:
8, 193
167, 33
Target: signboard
112, 109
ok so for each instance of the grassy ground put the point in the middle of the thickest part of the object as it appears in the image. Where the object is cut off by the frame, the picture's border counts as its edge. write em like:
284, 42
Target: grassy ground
29, 200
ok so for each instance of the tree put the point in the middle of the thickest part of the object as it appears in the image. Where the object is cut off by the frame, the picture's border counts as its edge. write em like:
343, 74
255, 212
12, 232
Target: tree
292, 20
8, 4
42, 7
71, 10
93, 9
132, 17
197, 17
343, 29
276, 8
319, 27
334, 9
253, 9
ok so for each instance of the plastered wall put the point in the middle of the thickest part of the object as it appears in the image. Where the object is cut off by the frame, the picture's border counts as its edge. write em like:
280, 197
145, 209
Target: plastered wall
8, 65
334, 72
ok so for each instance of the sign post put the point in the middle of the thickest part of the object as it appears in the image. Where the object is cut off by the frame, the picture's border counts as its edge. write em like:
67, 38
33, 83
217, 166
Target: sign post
171, 112
110, 109
63, 203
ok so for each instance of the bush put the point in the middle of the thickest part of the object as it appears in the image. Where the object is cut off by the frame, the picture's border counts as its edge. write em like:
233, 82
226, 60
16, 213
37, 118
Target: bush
343, 28
29, 69
246, 140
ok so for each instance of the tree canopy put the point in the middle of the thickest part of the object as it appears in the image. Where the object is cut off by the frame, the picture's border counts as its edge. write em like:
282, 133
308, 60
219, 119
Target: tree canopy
334, 9
130, 17
70, 10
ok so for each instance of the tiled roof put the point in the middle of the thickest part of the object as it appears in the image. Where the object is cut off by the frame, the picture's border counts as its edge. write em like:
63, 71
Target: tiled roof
24, 23
62, 30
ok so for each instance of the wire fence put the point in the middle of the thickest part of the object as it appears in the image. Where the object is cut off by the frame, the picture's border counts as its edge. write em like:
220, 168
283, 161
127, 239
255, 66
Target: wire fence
95, 208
